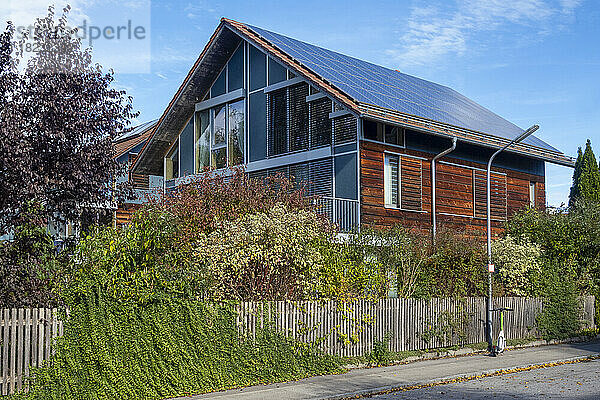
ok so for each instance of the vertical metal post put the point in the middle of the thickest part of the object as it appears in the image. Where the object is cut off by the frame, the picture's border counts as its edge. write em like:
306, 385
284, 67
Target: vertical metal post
488, 322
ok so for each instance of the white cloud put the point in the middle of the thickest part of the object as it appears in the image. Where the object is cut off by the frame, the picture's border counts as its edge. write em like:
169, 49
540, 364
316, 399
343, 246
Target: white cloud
434, 32
117, 30
24, 12
200, 9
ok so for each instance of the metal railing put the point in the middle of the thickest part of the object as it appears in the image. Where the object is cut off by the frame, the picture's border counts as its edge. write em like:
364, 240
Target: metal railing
344, 213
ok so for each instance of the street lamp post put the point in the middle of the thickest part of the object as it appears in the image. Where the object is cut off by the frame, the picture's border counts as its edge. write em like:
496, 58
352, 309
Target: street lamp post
488, 330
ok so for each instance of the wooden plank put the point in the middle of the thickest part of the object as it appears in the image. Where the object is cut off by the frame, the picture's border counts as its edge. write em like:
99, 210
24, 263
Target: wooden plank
41, 333
21, 343
27, 342
34, 337
13, 350
5, 349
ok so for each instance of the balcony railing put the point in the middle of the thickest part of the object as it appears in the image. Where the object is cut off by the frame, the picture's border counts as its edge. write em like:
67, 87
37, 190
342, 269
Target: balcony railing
342, 212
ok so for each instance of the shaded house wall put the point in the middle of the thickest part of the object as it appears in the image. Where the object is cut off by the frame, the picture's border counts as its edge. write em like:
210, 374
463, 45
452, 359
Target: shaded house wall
517, 183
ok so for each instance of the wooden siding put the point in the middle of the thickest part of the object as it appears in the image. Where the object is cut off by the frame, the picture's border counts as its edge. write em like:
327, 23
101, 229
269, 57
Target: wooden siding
461, 202
125, 212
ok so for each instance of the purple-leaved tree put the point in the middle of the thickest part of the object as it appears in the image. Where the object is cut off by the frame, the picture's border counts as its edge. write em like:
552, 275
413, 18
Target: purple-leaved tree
59, 114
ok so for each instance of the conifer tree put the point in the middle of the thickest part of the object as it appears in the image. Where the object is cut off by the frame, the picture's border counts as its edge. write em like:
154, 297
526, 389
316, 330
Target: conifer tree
586, 177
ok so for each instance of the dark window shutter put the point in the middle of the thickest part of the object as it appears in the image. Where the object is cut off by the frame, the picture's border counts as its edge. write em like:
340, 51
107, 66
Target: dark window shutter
344, 129
277, 112
298, 117
497, 195
320, 124
411, 183
321, 177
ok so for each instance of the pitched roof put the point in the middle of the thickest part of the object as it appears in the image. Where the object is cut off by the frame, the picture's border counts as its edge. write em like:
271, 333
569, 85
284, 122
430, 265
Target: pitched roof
129, 140
365, 88
387, 88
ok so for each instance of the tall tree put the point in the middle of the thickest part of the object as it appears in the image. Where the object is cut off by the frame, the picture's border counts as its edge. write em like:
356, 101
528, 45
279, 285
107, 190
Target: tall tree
60, 115
586, 176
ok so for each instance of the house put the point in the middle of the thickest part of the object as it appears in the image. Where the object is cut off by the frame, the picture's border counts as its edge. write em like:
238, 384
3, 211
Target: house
362, 136
126, 149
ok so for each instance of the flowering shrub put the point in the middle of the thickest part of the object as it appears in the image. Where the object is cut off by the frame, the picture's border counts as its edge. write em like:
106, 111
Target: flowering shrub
263, 256
517, 264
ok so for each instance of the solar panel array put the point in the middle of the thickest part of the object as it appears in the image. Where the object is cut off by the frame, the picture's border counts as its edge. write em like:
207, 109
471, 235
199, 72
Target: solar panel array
379, 86
136, 131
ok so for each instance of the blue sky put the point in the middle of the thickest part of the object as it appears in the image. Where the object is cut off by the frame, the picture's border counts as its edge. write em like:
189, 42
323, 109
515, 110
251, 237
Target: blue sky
530, 61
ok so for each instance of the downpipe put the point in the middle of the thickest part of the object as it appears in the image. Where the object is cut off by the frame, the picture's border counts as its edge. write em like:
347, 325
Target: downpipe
433, 186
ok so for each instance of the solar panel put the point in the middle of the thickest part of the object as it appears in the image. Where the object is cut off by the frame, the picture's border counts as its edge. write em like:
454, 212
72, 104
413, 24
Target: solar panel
379, 86
136, 131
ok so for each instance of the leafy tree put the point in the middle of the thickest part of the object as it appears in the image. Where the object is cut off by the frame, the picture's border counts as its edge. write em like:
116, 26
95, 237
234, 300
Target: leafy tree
586, 177
58, 118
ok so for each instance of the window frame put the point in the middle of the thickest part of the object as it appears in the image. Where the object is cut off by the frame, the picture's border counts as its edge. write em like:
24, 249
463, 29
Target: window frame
387, 182
532, 194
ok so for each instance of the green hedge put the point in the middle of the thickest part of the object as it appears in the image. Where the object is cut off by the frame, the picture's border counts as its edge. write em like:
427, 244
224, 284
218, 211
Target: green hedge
165, 349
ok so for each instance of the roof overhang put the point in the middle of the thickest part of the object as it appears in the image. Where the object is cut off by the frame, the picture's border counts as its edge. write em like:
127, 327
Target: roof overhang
465, 135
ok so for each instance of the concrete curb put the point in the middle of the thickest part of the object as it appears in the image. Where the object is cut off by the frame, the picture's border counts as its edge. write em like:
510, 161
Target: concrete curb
453, 378
469, 351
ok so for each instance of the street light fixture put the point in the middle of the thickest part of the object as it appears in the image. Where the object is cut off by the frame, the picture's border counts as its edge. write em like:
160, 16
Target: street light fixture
488, 330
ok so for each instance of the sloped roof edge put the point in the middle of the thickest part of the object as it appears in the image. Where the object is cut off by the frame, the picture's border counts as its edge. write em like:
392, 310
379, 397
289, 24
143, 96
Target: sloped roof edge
363, 109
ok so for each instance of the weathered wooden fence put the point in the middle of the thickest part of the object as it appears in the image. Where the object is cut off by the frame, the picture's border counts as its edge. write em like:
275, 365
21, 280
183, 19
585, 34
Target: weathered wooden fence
350, 329
26, 338
408, 324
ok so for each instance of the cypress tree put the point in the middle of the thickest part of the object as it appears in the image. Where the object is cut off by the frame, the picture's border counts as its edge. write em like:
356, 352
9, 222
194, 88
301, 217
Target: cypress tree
574, 194
586, 177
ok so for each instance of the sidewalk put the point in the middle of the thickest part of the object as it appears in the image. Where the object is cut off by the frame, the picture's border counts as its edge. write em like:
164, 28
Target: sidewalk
372, 380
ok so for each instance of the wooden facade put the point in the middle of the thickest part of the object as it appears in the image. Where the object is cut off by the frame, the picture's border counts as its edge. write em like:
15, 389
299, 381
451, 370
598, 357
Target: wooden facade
461, 192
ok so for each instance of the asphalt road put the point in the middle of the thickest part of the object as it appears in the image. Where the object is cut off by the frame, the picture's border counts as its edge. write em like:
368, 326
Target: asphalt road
570, 381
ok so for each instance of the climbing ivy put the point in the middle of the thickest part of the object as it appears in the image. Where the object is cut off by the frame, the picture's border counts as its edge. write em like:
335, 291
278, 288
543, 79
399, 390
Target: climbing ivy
165, 349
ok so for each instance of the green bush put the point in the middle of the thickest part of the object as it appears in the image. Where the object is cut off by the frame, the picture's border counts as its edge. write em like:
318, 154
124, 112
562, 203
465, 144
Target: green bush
138, 264
560, 317
138, 328
401, 254
518, 265
381, 354
165, 349
28, 265
456, 267
263, 256
347, 271
570, 237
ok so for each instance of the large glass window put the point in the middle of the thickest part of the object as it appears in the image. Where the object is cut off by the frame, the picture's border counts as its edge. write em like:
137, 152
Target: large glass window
219, 126
258, 68
219, 158
277, 73
235, 70
219, 149
186, 150
202, 140
403, 182
236, 133
172, 162
218, 88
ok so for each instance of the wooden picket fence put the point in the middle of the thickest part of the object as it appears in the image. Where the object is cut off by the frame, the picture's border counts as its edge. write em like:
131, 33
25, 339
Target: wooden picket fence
352, 329
26, 340
348, 329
